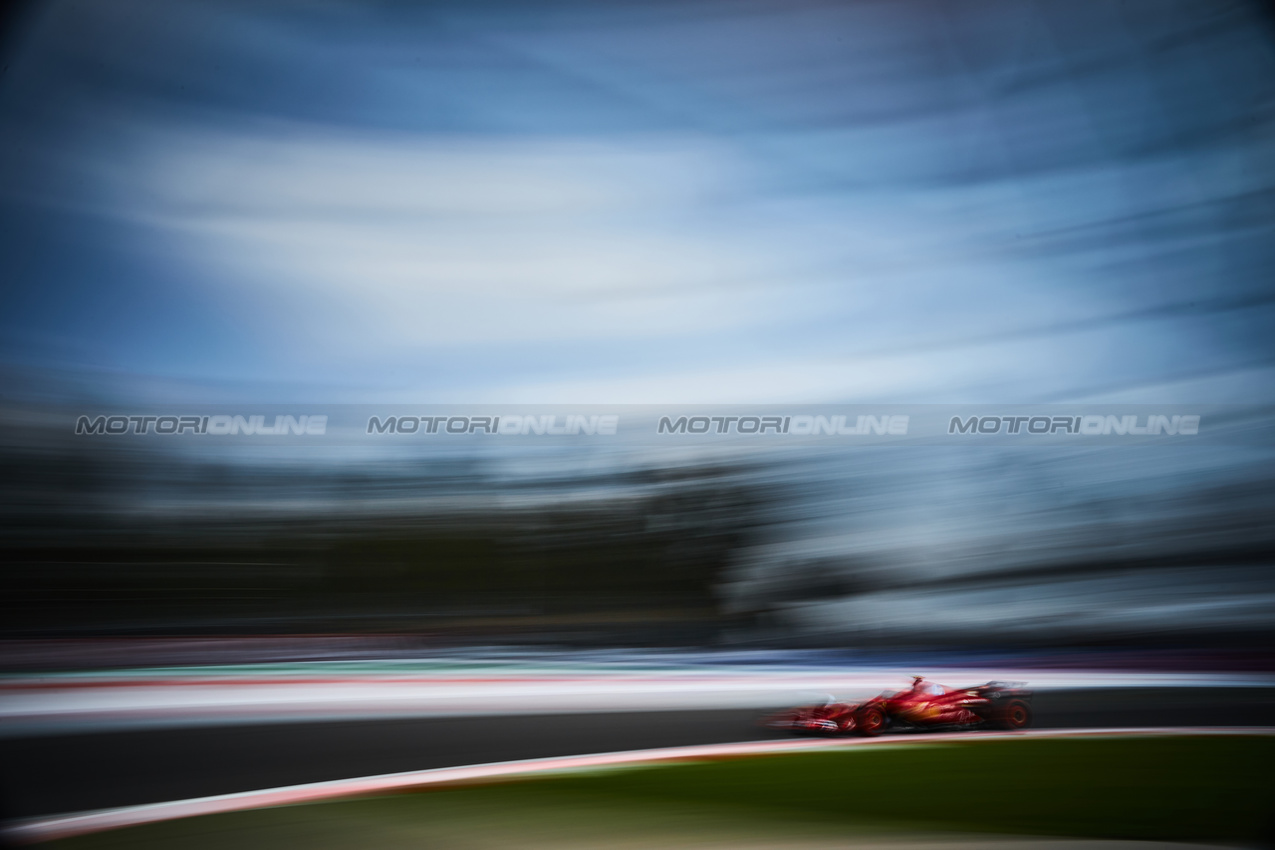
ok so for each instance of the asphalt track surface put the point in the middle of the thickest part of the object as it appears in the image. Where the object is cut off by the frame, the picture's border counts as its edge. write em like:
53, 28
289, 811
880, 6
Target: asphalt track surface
56, 774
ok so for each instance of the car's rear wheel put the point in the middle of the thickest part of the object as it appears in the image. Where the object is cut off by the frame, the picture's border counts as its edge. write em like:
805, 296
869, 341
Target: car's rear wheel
1018, 715
870, 722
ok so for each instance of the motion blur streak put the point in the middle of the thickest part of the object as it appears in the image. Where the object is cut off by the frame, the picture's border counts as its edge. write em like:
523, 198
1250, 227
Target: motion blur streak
688, 202
985, 233
52, 828
692, 202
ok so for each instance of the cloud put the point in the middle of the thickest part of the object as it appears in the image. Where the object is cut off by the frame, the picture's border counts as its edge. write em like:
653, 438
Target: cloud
443, 204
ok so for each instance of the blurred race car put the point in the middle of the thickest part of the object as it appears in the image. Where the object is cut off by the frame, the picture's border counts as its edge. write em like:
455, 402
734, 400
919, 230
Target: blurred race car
924, 706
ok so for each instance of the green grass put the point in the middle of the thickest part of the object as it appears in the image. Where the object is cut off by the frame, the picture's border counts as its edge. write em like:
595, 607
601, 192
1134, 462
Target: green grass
1171, 788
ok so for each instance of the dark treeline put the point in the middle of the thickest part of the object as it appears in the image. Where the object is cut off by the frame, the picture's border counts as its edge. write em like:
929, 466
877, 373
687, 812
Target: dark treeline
639, 562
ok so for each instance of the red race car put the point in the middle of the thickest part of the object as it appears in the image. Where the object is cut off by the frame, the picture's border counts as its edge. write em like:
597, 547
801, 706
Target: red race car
925, 706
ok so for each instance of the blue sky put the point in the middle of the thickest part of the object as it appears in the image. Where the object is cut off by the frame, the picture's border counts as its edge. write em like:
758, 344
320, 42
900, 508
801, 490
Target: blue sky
632, 203
266, 203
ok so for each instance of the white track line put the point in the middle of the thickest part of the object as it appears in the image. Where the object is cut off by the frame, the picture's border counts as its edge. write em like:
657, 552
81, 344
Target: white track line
65, 826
